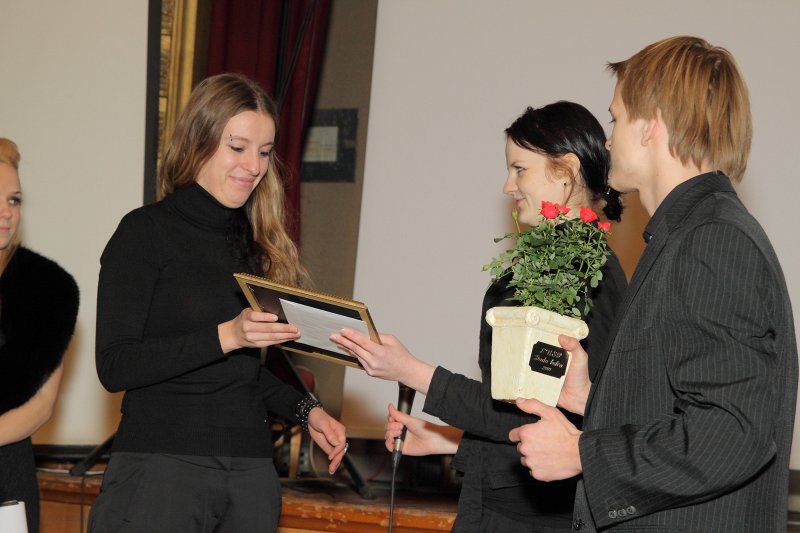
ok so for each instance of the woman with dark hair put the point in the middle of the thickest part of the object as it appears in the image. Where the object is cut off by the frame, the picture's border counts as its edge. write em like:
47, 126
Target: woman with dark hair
32, 341
193, 451
557, 154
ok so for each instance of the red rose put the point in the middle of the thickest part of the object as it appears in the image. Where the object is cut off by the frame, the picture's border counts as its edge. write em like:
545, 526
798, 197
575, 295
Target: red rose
549, 210
587, 215
563, 209
605, 226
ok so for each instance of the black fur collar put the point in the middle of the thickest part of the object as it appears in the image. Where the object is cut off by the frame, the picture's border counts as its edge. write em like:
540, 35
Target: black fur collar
38, 309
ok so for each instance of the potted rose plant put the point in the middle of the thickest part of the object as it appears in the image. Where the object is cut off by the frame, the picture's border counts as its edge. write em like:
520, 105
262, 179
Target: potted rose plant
552, 268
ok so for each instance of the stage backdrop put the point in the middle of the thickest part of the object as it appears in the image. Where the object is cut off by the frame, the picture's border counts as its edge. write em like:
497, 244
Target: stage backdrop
449, 76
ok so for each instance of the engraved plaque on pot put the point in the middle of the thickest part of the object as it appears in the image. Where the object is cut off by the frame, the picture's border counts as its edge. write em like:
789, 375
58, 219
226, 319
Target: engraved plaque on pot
548, 359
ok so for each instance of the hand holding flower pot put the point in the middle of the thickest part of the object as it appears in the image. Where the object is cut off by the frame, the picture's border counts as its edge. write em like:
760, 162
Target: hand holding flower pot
552, 268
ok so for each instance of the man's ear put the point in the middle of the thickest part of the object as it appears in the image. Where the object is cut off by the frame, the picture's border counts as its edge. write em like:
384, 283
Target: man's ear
653, 128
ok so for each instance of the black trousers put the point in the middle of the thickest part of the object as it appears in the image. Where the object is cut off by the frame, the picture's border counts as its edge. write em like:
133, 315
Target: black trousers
18, 479
155, 493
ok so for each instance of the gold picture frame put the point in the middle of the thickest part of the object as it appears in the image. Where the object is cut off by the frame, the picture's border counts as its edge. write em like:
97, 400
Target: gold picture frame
311, 309
178, 65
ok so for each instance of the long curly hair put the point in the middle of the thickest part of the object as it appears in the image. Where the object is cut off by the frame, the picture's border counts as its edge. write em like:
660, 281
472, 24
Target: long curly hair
194, 141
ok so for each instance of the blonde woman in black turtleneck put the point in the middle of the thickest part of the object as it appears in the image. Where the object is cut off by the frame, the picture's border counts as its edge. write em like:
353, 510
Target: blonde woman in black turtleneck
193, 451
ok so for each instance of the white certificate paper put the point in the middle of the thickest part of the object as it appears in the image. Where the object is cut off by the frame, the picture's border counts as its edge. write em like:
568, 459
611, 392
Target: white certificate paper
318, 325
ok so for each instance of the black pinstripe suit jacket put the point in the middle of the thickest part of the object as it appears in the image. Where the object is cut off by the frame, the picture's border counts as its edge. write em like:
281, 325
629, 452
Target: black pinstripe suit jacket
689, 422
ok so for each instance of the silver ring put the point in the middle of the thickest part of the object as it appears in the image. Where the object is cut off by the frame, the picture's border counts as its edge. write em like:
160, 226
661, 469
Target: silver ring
346, 446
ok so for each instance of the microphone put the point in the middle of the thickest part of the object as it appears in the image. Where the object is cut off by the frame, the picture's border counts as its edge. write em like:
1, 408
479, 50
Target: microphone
404, 401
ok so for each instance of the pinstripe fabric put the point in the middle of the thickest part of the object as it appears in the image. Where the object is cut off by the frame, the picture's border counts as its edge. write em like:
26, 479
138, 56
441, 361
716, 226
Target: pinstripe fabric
689, 423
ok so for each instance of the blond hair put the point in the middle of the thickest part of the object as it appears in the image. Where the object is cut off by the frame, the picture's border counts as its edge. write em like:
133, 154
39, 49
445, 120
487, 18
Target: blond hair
9, 154
702, 97
196, 138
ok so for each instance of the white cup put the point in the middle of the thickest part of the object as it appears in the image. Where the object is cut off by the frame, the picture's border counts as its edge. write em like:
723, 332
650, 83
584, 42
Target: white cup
12, 517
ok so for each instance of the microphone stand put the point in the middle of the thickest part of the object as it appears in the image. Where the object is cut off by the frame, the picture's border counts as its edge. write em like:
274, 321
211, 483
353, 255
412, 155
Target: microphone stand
80, 468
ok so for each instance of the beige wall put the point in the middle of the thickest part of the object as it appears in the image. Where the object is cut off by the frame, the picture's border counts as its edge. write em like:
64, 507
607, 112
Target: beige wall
330, 211
73, 98
450, 75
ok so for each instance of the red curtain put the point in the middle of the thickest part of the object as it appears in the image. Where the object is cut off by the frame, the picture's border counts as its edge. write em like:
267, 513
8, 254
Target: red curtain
280, 44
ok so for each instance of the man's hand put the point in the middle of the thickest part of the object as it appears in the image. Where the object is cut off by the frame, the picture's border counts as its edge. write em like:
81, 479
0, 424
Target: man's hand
549, 447
576, 388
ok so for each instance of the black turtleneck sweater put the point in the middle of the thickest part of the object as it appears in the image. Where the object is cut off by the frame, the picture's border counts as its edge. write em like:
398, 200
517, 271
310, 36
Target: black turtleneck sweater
166, 282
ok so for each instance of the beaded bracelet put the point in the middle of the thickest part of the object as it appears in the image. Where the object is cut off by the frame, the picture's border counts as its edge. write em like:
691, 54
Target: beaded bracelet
302, 409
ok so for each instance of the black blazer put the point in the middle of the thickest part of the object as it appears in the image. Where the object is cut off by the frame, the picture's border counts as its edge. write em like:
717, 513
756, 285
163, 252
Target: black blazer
689, 422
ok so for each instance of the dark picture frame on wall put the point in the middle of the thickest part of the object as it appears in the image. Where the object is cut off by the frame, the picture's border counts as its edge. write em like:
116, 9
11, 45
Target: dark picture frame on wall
330, 150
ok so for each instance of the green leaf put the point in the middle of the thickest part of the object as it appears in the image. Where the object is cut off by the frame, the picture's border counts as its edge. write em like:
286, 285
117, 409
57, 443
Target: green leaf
553, 264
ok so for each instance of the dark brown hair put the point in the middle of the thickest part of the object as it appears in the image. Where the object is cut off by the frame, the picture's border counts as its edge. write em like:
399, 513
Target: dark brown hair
562, 128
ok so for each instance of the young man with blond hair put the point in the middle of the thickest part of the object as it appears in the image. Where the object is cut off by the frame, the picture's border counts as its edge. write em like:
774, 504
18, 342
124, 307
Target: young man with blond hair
688, 424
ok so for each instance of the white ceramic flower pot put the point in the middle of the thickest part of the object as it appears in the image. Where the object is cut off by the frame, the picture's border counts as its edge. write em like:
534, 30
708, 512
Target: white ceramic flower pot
527, 361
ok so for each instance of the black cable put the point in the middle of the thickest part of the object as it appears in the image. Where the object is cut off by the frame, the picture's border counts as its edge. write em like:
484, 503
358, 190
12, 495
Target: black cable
83, 491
